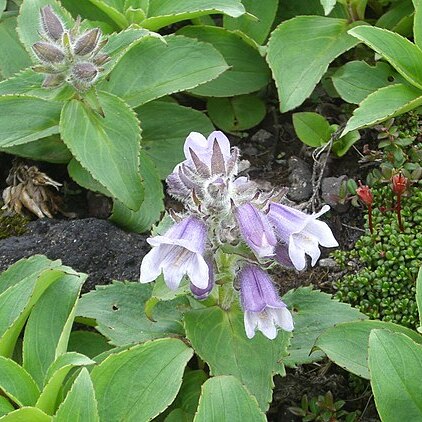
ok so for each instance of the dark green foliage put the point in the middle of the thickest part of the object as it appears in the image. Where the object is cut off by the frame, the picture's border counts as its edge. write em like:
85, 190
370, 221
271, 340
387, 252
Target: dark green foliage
383, 285
14, 225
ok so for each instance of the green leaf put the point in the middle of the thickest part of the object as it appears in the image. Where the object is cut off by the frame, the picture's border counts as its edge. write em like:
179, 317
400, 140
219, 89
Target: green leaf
55, 377
395, 364
383, 104
419, 297
357, 79
344, 143
152, 206
398, 18
162, 13
29, 20
25, 119
182, 63
417, 23
13, 56
3, 4
224, 398
48, 327
5, 406
248, 71
311, 128
108, 147
87, 343
264, 10
403, 55
313, 312
115, 15
236, 113
80, 403
219, 339
319, 40
153, 371
119, 311
347, 344
328, 6
17, 384
165, 127
25, 414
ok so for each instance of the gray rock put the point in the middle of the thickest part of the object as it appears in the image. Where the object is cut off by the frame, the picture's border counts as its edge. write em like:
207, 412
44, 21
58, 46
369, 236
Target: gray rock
92, 246
327, 263
300, 176
261, 136
330, 192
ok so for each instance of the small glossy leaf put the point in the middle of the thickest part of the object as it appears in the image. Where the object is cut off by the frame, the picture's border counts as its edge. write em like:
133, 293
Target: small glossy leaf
108, 147
395, 364
182, 63
403, 55
224, 398
80, 403
26, 414
154, 371
311, 128
347, 344
248, 71
313, 312
383, 104
320, 40
25, 119
236, 113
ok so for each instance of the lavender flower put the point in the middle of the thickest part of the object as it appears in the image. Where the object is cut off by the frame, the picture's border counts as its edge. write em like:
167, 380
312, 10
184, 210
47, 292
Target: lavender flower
302, 232
263, 309
201, 294
177, 253
256, 229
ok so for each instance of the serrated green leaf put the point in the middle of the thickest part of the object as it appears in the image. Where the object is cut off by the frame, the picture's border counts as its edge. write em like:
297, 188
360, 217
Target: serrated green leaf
248, 71
347, 344
311, 128
154, 371
313, 312
383, 104
224, 398
403, 55
25, 119
219, 338
108, 147
119, 312
182, 63
395, 364
320, 40
25, 414
115, 15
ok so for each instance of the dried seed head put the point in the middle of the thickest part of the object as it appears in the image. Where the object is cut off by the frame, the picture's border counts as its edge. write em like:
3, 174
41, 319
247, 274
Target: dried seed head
84, 72
88, 42
48, 53
51, 23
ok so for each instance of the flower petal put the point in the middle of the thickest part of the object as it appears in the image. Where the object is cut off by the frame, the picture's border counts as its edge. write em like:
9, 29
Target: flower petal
309, 244
150, 266
283, 318
297, 255
266, 325
250, 320
322, 232
198, 271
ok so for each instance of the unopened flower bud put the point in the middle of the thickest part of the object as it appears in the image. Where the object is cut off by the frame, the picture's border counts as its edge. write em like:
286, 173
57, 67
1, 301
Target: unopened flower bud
399, 183
48, 53
85, 72
51, 23
88, 42
364, 193
53, 80
101, 59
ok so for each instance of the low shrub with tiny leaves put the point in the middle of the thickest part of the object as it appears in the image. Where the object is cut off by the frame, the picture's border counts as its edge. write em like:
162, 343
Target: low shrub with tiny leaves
384, 283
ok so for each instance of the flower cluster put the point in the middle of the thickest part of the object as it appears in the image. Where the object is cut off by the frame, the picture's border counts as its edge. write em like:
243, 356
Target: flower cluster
66, 55
222, 209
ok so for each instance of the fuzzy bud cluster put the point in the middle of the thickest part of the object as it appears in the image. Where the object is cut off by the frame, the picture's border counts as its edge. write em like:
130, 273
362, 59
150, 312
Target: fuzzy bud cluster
68, 55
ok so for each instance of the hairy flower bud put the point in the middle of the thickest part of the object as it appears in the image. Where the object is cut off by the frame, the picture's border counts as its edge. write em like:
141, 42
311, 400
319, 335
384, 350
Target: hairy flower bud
84, 72
364, 193
101, 59
51, 23
88, 42
399, 183
48, 53
53, 80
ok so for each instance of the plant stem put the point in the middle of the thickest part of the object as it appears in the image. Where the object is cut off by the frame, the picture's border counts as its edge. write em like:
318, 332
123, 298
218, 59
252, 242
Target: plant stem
398, 209
370, 224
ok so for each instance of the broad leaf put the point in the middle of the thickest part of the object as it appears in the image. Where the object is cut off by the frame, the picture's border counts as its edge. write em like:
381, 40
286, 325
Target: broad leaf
403, 55
398, 18
347, 344
17, 384
224, 398
417, 23
80, 403
328, 6
5, 406
236, 113
152, 206
26, 414
419, 297
162, 13
182, 63
311, 128
344, 143
395, 364
383, 104
319, 40
357, 79
108, 147
25, 119
154, 372
313, 312
165, 127
119, 312
265, 12
3, 4
219, 339
88, 343
115, 15
248, 71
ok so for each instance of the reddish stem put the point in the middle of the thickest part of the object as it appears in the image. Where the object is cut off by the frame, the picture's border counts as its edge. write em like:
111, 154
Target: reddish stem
371, 227
398, 209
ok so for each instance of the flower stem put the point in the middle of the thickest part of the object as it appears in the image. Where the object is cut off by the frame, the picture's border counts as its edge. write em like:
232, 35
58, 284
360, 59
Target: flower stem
398, 210
370, 223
